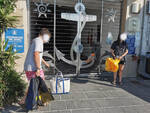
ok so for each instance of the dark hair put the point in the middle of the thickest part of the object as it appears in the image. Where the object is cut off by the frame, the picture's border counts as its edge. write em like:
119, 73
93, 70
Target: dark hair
119, 41
44, 31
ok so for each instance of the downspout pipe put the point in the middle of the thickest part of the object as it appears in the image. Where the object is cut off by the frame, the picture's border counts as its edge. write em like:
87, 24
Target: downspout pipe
141, 43
142, 28
54, 35
101, 35
28, 22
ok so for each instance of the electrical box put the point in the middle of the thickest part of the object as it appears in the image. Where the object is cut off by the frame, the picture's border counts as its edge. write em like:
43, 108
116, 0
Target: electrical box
135, 8
133, 24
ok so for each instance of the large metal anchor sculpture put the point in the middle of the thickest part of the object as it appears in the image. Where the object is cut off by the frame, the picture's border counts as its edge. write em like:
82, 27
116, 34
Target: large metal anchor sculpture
81, 17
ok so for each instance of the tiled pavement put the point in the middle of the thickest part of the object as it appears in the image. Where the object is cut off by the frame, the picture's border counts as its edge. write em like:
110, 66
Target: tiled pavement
92, 95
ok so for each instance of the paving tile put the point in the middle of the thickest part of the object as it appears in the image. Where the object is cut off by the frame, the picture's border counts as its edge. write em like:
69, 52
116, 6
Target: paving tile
87, 104
130, 110
139, 101
116, 94
56, 97
71, 104
141, 109
73, 96
85, 111
95, 94
77, 104
77, 88
78, 96
108, 103
44, 108
117, 102
111, 110
65, 97
58, 105
90, 88
65, 111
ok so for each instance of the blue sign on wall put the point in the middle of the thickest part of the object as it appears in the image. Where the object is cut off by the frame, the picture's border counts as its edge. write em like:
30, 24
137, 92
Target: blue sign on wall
131, 44
15, 37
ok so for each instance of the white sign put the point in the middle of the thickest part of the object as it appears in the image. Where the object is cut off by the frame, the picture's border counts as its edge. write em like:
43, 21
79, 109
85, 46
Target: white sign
77, 17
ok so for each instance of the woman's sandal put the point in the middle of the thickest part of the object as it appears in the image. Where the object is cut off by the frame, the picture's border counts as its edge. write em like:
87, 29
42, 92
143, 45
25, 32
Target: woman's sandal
114, 83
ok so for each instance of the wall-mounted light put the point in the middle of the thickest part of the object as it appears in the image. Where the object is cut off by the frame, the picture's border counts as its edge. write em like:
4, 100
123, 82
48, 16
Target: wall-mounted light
135, 8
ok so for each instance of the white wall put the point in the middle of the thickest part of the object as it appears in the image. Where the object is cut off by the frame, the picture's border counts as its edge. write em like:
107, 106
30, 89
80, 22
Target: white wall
21, 11
131, 66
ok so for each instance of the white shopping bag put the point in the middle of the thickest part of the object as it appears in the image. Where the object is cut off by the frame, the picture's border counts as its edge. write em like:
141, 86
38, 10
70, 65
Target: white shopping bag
60, 85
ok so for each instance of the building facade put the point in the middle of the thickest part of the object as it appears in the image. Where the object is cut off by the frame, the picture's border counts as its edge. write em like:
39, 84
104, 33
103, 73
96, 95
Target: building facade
111, 18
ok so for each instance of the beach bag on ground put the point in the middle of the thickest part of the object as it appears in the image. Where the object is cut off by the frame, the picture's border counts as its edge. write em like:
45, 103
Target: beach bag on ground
59, 84
112, 65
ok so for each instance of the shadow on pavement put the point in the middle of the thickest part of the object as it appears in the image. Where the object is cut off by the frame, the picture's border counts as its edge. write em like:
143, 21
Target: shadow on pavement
138, 87
12, 109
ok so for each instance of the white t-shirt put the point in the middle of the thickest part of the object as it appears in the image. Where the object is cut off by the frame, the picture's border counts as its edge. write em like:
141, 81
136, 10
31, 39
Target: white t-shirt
37, 45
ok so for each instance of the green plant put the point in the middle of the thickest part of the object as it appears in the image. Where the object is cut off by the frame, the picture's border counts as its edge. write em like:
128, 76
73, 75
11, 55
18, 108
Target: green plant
11, 85
6, 9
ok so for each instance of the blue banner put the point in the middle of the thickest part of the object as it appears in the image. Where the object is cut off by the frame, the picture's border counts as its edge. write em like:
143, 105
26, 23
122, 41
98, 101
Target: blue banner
15, 37
131, 44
